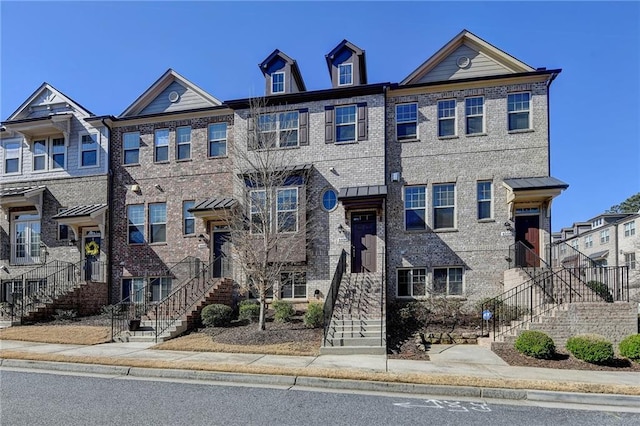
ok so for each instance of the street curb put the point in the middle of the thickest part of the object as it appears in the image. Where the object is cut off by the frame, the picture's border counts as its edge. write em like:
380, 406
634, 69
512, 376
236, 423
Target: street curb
257, 379
67, 366
584, 398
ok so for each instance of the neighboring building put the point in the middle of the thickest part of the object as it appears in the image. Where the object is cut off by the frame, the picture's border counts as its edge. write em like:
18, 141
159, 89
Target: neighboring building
53, 191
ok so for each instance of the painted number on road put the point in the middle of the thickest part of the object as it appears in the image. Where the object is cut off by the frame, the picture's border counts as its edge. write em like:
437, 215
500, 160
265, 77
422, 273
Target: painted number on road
456, 406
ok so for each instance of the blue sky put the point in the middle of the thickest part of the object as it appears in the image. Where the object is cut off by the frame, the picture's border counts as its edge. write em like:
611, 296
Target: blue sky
105, 54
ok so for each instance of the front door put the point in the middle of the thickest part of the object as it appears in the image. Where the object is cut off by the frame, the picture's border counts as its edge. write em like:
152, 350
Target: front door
221, 254
528, 232
363, 242
91, 246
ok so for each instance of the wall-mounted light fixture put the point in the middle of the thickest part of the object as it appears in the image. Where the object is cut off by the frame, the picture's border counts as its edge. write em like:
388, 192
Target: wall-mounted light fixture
72, 242
316, 293
395, 177
158, 187
5, 269
135, 188
340, 228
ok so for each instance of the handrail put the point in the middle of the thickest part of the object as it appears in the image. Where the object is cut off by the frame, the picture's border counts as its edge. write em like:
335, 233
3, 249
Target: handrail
576, 259
524, 257
330, 300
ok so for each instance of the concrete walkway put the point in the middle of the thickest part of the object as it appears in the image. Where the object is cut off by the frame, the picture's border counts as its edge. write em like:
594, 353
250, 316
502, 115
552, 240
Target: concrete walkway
446, 360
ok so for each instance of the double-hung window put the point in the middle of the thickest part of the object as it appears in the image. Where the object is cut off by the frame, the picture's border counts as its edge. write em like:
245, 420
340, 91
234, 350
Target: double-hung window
12, 151
604, 236
49, 154
40, 155
89, 151
183, 143
160, 288
135, 218
293, 285
630, 229
58, 153
484, 200
277, 82
407, 121
474, 111
412, 282
278, 130
415, 204
447, 281
218, 140
259, 211
158, 223
287, 210
63, 230
519, 111
161, 145
131, 148
345, 74
444, 210
588, 241
575, 244
188, 220
346, 123
133, 289
447, 118
630, 260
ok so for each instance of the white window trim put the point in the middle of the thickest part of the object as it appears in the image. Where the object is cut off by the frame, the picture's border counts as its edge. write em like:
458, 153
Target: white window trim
411, 295
7, 157
327, 190
284, 80
48, 155
217, 141
124, 150
278, 130
143, 225
455, 205
483, 115
296, 211
80, 150
251, 212
156, 146
455, 118
530, 111
152, 223
293, 287
179, 144
185, 218
29, 260
417, 136
404, 205
588, 241
355, 123
629, 229
350, 65
490, 200
604, 236
447, 293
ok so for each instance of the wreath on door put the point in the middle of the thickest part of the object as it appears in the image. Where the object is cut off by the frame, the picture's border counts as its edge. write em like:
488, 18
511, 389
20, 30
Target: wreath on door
91, 248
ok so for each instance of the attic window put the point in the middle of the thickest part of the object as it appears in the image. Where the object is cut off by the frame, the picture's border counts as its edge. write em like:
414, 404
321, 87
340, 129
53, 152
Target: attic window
345, 73
174, 96
277, 82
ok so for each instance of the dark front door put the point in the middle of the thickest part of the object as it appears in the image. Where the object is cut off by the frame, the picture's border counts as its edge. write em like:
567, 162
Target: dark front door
91, 257
221, 254
363, 242
528, 233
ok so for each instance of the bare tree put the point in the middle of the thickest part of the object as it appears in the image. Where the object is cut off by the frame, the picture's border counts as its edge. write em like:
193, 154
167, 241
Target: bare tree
271, 232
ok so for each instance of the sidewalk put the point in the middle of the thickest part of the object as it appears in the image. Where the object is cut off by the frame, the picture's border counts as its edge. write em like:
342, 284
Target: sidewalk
457, 361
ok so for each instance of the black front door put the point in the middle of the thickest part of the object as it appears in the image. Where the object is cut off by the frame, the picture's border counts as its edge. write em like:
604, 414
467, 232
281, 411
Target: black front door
221, 254
363, 242
91, 257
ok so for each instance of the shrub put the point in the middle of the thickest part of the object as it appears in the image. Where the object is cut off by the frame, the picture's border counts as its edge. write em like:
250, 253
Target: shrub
249, 311
216, 315
630, 347
601, 290
592, 348
65, 314
314, 317
536, 344
284, 311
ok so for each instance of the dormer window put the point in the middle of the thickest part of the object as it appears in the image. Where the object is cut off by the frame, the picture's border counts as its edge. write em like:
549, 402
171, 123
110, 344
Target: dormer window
345, 74
277, 82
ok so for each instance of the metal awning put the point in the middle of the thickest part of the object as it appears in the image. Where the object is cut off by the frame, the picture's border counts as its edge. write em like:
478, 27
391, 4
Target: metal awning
377, 191
214, 209
599, 255
533, 190
83, 216
22, 197
81, 211
535, 183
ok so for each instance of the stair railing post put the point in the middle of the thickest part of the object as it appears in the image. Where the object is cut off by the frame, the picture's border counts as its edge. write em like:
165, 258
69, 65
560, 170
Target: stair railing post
531, 303
156, 327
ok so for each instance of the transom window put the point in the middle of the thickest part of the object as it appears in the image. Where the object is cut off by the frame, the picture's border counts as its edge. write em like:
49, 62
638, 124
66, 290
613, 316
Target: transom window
131, 148
188, 219
12, 151
407, 121
277, 82
49, 154
415, 203
287, 210
89, 151
447, 118
345, 72
630, 229
412, 282
183, 143
218, 140
447, 281
293, 285
519, 108
135, 217
604, 236
158, 223
161, 145
329, 199
346, 123
444, 198
474, 111
279, 130
484, 200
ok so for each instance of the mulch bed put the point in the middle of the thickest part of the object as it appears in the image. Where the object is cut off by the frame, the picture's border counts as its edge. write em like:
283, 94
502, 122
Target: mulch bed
275, 333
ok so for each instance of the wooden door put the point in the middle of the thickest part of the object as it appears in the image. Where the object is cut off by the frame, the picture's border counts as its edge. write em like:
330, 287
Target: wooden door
528, 232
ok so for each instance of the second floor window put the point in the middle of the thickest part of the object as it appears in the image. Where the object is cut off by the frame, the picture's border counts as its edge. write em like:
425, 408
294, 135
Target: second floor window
49, 154
604, 236
188, 220
135, 218
277, 82
345, 74
415, 208
183, 143
444, 205
12, 151
588, 241
630, 229
287, 210
40, 155
518, 105
474, 111
278, 130
131, 148
259, 212
407, 121
89, 151
484, 200
346, 123
158, 223
161, 145
218, 140
447, 118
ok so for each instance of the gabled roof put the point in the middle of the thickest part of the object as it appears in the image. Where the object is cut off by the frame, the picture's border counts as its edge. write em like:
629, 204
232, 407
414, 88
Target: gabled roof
295, 70
161, 84
355, 49
465, 37
44, 94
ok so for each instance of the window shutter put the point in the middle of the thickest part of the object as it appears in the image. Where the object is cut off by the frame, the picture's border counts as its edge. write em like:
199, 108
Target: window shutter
362, 122
303, 126
251, 134
329, 125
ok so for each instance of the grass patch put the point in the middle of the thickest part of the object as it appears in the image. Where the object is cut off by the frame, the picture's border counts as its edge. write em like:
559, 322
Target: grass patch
65, 334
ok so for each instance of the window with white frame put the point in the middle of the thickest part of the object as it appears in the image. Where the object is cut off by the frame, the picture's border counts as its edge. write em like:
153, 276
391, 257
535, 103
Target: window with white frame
596, 223
277, 82
484, 199
575, 244
444, 206
415, 208
135, 218
25, 238
519, 111
287, 210
133, 289
630, 229
158, 223
412, 282
218, 140
88, 150
346, 123
447, 118
329, 199
293, 285
58, 153
278, 130
448, 281
160, 288
63, 230
183, 143
345, 74
588, 241
259, 212
12, 154
188, 219
407, 121
131, 148
39, 160
161, 146
604, 236
630, 260
474, 112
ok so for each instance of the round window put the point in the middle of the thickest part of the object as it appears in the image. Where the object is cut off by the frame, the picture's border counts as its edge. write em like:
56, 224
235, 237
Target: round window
329, 199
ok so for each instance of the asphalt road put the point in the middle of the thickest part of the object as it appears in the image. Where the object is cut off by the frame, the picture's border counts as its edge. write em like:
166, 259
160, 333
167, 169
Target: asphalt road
35, 398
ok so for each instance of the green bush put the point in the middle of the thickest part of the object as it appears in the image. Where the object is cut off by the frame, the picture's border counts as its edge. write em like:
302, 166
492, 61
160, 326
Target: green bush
536, 344
601, 290
65, 315
630, 347
284, 311
592, 348
249, 311
216, 315
314, 317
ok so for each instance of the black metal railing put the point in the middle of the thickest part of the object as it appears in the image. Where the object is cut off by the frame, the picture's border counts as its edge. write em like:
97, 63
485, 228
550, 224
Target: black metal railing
127, 314
567, 256
332, 295
522, 256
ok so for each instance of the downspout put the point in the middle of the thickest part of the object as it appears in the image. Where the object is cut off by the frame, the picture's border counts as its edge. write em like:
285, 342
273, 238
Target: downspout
385, 271
549, 81
109, 214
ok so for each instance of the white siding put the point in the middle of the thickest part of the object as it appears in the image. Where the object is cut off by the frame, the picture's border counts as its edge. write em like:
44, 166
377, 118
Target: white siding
189, 99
